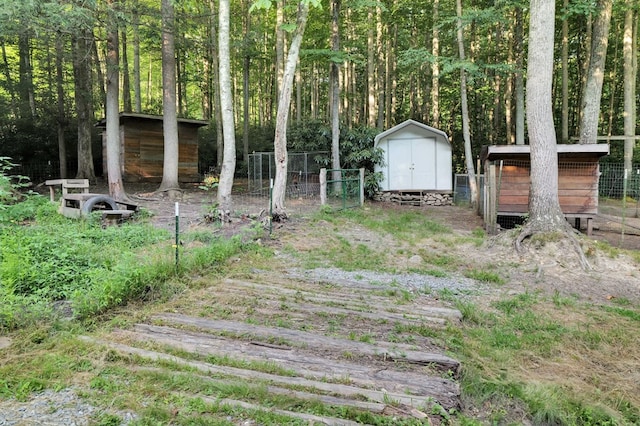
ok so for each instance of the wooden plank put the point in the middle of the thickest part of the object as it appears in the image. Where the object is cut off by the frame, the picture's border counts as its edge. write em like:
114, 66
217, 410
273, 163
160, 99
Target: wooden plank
303, 364
382, 350
370, 303
312, 419
447, 401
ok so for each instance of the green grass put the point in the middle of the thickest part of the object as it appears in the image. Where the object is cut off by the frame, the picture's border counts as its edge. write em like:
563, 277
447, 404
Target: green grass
46, 257
549, 358
503, 348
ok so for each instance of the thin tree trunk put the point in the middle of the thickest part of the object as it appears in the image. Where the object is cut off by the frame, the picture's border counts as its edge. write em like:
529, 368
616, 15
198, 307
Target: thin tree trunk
630, 73
126, 82
114, 165
371, 71
226, 100
280, 139
565, 76
27, 96
61, 122
519, 82
335, 90
298, 95
170, 116
509, 92
380, 64
595, 75
473, 189
98, 68
435, 66
245, 87
84, 104
9, 80
137, 91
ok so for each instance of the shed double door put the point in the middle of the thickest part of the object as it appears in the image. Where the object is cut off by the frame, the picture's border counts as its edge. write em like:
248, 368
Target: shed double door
411, 164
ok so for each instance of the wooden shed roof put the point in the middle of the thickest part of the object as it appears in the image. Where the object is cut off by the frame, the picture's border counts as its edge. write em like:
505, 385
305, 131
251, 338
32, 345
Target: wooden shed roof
499, 152
439, 133
130, 116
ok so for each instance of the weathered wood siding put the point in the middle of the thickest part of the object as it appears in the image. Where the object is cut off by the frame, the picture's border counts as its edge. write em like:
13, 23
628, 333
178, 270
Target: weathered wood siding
577, 187
143, 149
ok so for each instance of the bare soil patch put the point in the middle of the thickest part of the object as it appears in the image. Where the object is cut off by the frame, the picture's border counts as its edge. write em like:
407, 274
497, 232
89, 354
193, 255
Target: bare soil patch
551, 267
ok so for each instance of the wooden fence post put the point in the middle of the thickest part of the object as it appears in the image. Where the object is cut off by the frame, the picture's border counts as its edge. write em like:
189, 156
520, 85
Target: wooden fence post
323, 186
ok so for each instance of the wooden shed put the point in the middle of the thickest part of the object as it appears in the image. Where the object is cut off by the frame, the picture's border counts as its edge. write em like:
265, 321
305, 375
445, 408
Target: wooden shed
416, 158
142, 147
507, 181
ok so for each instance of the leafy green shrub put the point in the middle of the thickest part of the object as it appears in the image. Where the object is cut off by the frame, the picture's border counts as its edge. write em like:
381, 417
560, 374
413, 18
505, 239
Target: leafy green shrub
356, 148
10, 185
45, 257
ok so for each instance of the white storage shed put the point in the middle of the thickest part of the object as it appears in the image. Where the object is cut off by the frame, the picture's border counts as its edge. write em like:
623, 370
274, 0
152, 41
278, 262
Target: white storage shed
416, 158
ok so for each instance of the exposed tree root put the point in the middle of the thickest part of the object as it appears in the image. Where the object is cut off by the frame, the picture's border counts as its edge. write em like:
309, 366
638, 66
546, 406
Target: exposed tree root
533, 228
279, 216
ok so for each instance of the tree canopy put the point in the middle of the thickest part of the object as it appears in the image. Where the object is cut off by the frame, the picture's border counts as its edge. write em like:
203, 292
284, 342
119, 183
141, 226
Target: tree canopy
387, 66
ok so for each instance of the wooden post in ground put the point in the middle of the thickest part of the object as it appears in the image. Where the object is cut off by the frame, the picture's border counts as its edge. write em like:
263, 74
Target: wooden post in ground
491, 219
323, 186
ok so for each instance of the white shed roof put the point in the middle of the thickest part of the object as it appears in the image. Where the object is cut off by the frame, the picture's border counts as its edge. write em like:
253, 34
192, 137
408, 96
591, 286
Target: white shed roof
405, 124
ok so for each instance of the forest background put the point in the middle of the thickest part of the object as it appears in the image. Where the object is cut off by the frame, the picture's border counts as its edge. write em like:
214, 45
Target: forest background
398, 60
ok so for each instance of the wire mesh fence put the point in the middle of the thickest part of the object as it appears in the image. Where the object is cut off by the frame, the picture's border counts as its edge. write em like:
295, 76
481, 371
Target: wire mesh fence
612, 181
259, 201
39, 171
344, 188
303, 170
585, 188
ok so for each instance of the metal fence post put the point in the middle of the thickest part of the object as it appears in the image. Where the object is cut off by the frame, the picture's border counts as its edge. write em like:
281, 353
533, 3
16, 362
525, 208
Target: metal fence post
362, 187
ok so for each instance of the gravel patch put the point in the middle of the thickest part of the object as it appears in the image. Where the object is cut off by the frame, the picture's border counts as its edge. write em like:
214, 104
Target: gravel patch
49, 408
410, 281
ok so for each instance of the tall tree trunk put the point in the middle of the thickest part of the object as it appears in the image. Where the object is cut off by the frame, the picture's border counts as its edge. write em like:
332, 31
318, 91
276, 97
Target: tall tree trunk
137, 91
245, 86
61, 122
170, 115
215, 70
27, 96
371, 70
112, 106
280, 5
8, 79
565, 76
595, 75
544, 208
509, 92
84, 104
545, 214
280, 139
335, 89
226, 101
435, 66
380, 64
126, 81
630, 74
98, 69
298, 96
519, 78
468, 154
